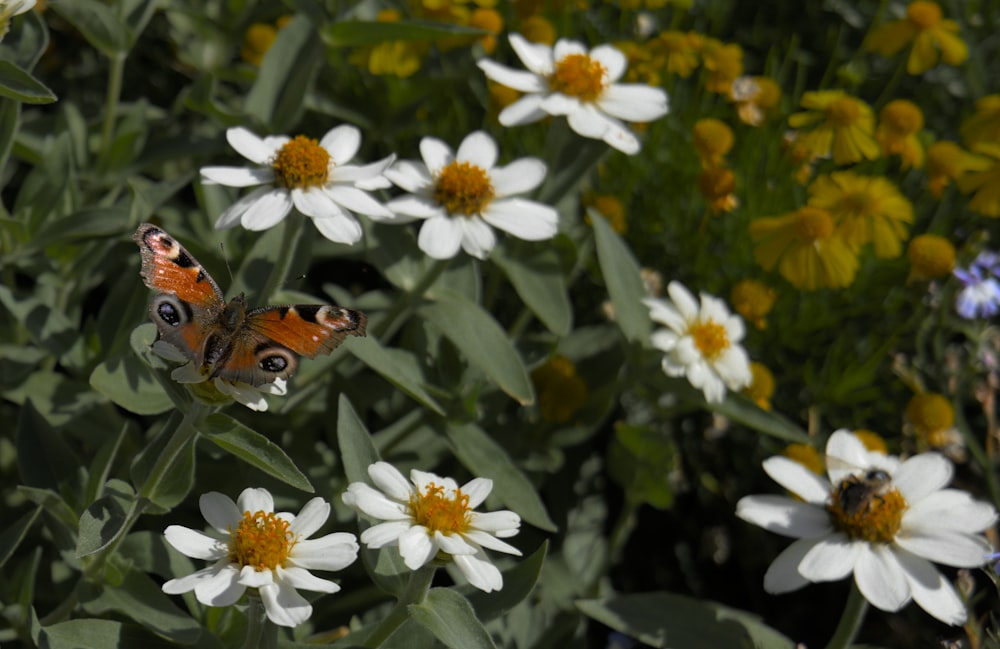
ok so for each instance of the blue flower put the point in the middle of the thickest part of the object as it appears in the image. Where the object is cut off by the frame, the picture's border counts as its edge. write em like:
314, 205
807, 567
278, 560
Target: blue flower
980, 294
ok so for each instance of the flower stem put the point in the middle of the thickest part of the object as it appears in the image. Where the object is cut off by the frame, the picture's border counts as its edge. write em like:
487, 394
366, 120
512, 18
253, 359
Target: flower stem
393, 319
416, 591
291, 238
115, 74
850, 620
261, 632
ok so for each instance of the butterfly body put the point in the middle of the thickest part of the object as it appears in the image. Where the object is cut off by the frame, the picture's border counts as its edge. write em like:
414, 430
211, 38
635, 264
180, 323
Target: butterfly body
226, 339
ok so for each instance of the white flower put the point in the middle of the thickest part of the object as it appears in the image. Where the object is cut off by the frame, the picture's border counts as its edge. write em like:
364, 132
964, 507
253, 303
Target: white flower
261, 549
250, 396
880, 519
432, 516
12, 8
460, 196
701, 343
299, 172
567, 80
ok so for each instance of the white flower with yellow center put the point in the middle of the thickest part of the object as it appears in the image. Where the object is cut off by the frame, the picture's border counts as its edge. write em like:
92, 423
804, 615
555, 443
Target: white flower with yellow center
313, 177
883, 520
568, 80
261, 549
433, 517
460, 196
701, 342
11, 8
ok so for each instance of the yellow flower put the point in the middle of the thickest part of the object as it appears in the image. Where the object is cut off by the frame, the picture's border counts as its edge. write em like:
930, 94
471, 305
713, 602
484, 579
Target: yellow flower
866, 208
931, 256
257, 40
712, 140
755, 98
931, 417
561, 391
398, 58
753, 300
761, 386
985, 184
489, 21
984, 124
610, 208
898, 125
723, 64
537, 30
947, 162
809, 252
716, 185
807, 456
837, 124
924, 28
872, 441
644, 65
680, 51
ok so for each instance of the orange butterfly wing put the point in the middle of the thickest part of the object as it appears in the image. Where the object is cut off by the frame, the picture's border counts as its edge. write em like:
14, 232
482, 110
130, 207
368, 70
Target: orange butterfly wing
307, 329
169, 268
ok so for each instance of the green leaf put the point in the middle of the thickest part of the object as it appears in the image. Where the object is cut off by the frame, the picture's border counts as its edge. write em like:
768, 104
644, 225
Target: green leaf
673, 621
96, 22
538, 279
52, 503
398, 366
481, 339
254, 449
743, 410
104, 519
14, 533
20, 85
637, 458
286, 73
357, 451
127, 382
351, 33
621, 277
482, 456
450, 617
173, 487
97, 475
94, 634
10, 119
518, 582
44, 459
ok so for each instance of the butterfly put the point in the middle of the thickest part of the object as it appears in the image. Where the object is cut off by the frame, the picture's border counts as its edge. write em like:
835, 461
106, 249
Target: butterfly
226, 339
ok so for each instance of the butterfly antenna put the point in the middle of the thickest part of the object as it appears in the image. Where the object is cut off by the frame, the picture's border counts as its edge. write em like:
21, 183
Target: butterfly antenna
225, 258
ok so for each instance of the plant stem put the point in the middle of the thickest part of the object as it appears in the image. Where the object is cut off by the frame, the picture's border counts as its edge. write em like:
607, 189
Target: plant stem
850, 620
115, 74
416, 591
392, 320
261, 632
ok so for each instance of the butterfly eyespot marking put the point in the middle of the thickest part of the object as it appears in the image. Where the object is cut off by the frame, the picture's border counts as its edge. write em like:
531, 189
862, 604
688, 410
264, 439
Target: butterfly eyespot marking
169, 310
275, 360
273, 363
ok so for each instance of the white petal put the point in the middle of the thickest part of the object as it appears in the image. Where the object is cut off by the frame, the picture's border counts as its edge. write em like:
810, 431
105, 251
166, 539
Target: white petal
784, 516
733, 366
560, 104
232, 214
374, 503
384, 534
798, 479
950, 509
479, 149
518, 177
664, 340
880, 578
477, 237
251, 147
453, 544
477, 490
501, 523
253, 578
440, 237
612, 59
930, 590
410, 175
435, 153
519, 80
315, 202
267, 211
331, 552
921, 475
283, 604
683, 301
342, 228
301, 578
416, 547
342, 143
845, 455
564, 47
945, 546
220, 511
364, 175
255, 500
310, 518
634, 102
525, 110
537, 57
491, 542
479, 571
222, 589
665, 313
782, 575
236, 176
222, 572
832, 558
194, 544
356, 200
388, 478
522, 218
415, 206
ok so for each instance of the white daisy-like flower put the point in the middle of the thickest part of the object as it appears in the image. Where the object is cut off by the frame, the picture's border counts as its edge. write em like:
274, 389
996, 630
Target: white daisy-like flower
313, 177
701, 341
261, 549
11, 8
433, 517
568, 80
461, 195
883, 520
250, 396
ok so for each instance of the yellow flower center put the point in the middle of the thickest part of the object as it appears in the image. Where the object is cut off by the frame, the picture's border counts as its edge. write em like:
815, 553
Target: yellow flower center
439, 512
931, 256
261, 540
929, 412
301, 163
843, 111
812, 223
923, 14
857, 203
578, 75
711, 338
867, 507
807, 456
753, 300
463, 188
902, 116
